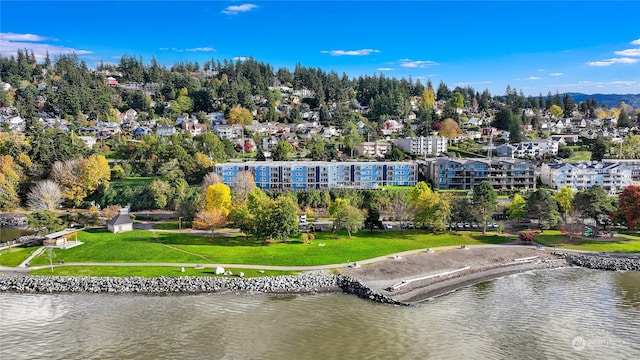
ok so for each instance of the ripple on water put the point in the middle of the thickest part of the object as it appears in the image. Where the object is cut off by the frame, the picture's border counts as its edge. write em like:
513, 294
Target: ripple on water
531, 315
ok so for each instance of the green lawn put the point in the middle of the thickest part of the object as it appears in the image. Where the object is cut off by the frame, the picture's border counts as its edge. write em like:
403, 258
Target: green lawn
16, 255
148, 271
140, 246
631, 243
580, 156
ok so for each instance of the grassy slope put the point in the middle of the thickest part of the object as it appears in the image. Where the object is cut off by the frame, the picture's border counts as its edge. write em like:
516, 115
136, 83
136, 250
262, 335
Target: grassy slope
16, 255
140, 246
147, 271
630, 243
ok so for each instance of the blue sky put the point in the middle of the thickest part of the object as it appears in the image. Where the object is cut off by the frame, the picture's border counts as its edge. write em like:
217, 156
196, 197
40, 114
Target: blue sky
539, 46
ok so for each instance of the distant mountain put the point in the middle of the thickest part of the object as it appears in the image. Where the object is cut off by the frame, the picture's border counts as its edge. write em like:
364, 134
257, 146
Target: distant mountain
611, 100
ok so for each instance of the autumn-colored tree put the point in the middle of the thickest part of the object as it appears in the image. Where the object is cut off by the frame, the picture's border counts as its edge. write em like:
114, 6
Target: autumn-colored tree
429, 208
9, 182
218, 196
556, 111
94, 172
428, 99
67, 175
564, 197
629, 206
202, 160
209, 219
239, 115
110, 211
243, 183
449, 129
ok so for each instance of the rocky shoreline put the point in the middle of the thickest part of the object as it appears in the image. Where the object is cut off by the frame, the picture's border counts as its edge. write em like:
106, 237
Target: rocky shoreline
604, 262
300, 284
18, 221
308, 283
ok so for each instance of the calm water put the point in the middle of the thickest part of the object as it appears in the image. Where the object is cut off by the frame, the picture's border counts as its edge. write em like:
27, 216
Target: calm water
9, 233
567, 314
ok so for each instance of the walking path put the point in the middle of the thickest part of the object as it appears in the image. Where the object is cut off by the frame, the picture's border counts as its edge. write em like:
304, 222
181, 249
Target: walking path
391, 257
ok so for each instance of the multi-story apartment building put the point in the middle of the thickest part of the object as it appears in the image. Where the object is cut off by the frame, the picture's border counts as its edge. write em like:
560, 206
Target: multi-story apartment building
531, 149
633, 164
422, 145
306, 175
373, 149
464, 174
613, 177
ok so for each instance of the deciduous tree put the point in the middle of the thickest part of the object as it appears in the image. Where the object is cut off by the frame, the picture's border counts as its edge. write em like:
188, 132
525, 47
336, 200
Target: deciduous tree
449, 129
218, 196
281, 151
241, 187
484, 200
516, 208
44, 195
239, 115
348, 218
629, 206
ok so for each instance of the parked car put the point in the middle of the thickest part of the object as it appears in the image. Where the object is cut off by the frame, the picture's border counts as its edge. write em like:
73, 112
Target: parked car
474, 225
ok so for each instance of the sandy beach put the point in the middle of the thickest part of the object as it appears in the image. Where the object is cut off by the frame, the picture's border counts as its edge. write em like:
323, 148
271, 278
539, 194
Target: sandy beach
418, 277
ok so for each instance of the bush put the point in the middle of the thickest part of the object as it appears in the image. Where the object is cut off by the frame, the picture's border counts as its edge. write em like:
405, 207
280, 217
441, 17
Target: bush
528, 236
304, 238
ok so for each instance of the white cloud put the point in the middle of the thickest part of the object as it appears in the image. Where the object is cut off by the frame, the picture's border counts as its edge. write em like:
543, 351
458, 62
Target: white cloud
163, 48
408, 63
556, 74
10, 43
22, 37
241, 58
628, 52
612, 61
486, 82
361, 52
384, 69
236, 9
635, 42
534, 78
201, 49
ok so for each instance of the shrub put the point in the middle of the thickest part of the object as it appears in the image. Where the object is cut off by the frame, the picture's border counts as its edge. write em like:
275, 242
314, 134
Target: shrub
304, 238
527, 236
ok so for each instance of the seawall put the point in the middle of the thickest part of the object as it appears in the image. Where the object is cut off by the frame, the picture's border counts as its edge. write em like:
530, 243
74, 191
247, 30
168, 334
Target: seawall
606, 262
300, 284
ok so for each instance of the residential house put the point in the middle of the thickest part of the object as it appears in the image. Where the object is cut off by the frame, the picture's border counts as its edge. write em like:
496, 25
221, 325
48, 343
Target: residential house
389, 127
90, 141
229, 132
165, 130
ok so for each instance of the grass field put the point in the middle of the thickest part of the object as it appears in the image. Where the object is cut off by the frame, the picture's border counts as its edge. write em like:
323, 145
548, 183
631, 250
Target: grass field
148, 271
16, 255
141, 246
630, 244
